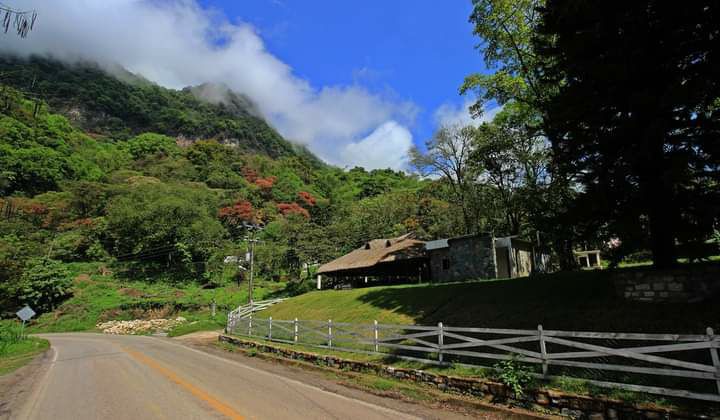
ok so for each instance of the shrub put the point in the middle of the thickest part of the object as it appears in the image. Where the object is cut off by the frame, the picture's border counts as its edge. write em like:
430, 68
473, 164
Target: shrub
43, 284
515, 375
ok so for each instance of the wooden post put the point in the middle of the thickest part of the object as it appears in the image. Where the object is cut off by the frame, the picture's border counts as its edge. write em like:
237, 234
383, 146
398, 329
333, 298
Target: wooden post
319, 281
440, 341
543, 351
250, 325
329, 332
375, 335
270, 328
714, 355
295, 336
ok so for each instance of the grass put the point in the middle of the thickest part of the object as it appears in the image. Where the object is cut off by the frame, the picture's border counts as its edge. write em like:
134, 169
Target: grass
98, 298
17, 350
583, 301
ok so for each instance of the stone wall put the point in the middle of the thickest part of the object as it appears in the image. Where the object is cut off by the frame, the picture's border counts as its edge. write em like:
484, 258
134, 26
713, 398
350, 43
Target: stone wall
469, 258
693, 283
542, 400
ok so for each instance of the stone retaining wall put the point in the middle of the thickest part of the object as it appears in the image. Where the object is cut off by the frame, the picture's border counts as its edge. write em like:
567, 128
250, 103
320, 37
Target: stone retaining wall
683, 284
548, 401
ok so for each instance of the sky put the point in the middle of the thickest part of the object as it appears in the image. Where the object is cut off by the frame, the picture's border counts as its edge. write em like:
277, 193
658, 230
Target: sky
357, 82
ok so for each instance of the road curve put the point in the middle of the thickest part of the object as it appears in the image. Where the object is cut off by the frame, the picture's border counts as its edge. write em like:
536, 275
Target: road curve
95, 376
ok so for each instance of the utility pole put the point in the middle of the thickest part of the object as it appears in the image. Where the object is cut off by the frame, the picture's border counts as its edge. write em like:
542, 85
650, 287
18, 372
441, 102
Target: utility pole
253, 228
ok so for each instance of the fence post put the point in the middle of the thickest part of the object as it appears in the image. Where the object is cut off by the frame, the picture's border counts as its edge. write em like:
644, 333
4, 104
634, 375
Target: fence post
375, 335
295, 335
250, 325
329, 332
543, 351
270, 328
714, 355
440, 341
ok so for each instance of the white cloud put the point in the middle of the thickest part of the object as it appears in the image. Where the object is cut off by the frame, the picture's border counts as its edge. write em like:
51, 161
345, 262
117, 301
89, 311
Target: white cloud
386, 147
453, 114
177, 43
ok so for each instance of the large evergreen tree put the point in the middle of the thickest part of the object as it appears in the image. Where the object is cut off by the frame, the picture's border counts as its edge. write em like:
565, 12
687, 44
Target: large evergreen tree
636, 117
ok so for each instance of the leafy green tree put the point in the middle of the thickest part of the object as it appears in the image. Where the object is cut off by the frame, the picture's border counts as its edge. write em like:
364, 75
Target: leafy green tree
448, 157
170, 224
635, 118
511, 160
44, 284
507, 28
149, 144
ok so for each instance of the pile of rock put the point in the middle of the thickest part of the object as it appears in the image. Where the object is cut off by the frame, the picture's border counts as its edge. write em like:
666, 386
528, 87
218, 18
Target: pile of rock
139, 326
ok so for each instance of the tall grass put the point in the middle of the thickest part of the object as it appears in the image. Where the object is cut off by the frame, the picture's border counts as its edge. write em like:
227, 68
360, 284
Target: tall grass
10, 333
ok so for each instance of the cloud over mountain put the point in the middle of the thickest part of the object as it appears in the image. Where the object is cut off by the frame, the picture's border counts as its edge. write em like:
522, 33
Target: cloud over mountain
179, 43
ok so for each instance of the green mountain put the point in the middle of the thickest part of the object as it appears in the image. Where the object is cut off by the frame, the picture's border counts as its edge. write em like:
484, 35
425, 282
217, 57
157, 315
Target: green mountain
121, 105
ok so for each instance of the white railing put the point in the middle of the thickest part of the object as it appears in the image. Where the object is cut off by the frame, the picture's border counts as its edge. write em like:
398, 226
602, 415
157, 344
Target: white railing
674, 365
243, 311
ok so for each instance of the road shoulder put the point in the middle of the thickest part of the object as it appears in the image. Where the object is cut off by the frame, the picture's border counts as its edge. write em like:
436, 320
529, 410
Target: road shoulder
17, 386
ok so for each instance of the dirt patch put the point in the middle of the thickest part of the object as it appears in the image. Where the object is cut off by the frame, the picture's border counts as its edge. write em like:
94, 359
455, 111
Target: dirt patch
82, 277
129, 291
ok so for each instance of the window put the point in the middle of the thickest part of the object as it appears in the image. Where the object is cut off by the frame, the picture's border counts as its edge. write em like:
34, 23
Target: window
446, 263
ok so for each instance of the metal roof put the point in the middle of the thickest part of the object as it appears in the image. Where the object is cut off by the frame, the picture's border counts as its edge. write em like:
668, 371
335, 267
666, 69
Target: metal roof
436, 244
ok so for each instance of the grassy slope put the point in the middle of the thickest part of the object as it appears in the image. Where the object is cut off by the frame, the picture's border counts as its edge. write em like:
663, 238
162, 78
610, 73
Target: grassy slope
19, 354
573, 301
99, 298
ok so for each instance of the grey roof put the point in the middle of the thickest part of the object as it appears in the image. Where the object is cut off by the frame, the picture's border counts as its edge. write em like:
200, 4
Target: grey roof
437, 244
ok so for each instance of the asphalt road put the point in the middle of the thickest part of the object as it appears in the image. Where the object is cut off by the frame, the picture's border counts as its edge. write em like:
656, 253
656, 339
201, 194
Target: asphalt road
94, 376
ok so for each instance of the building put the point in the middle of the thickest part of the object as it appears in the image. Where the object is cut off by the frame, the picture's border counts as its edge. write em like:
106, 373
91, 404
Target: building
402, 259
461, 258
588, 259
405, 259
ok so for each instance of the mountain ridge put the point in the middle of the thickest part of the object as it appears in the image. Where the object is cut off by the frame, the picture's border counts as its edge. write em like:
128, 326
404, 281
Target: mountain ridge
118, 104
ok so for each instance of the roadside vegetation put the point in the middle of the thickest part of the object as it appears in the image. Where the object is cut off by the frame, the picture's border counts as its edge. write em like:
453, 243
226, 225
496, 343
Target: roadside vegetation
16, 348
99, 297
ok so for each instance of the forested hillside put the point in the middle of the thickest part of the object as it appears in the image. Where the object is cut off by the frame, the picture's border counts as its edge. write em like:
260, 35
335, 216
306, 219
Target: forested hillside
122, 191
122, 105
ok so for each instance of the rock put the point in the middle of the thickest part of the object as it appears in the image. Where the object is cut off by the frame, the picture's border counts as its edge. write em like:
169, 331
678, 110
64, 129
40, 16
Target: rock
139, 326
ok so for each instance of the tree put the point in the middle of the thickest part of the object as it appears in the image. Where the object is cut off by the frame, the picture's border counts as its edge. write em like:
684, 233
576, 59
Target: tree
169, 224
506, 28
448, 157
636, 118
149, 144
511, 159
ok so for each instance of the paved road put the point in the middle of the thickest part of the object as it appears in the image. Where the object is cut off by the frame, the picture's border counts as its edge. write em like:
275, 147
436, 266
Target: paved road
94, 376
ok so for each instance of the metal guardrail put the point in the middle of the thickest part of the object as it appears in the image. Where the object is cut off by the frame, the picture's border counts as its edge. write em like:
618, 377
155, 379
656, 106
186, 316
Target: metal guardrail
677, 365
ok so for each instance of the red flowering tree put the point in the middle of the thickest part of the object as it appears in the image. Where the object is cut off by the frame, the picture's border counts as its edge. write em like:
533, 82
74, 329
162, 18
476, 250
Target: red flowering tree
306, 198
266, 184
234, 216
292, 208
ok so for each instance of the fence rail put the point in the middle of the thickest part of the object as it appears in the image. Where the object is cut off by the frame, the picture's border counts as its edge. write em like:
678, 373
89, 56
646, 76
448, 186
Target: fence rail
674, 365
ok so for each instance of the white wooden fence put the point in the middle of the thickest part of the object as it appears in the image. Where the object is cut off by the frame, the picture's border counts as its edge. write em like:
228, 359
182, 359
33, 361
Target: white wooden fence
674, 365
244, 311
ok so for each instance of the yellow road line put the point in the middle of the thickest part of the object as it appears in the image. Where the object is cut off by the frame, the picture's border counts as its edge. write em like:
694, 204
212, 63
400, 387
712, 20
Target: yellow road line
213, 402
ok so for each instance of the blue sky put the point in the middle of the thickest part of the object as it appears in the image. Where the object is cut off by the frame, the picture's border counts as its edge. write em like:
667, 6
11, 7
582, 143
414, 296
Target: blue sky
357, 82
420, 50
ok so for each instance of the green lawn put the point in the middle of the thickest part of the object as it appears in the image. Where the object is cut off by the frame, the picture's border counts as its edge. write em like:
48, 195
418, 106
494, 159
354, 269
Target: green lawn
573, 301
100, 298
19, 354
